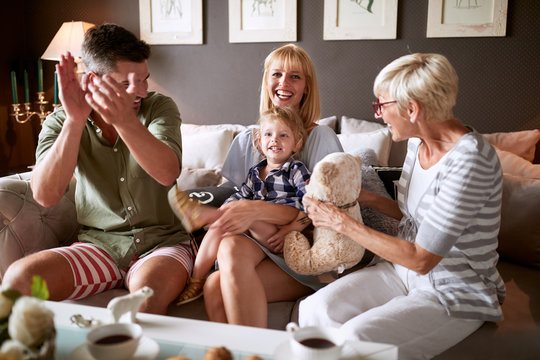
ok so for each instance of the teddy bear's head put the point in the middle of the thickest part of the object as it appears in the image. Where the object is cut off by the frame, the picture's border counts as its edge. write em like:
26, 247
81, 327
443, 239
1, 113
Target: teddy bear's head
337, 178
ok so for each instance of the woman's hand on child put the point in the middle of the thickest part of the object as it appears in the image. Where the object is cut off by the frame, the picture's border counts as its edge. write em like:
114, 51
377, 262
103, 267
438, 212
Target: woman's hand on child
236, 217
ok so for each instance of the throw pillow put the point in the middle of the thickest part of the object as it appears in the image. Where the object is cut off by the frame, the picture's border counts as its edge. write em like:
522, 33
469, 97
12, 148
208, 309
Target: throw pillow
516, 165
351, 125
205, 149
331, 122
379, 140
212, 195
519, 236
522, 143
196, 178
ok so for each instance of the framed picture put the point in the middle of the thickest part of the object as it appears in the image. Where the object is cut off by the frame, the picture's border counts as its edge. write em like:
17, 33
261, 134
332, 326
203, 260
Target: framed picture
466, 18
360, 19
262, 21
164, 22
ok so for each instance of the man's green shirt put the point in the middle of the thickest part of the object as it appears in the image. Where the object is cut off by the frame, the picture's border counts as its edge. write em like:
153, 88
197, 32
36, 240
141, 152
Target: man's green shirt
122, 209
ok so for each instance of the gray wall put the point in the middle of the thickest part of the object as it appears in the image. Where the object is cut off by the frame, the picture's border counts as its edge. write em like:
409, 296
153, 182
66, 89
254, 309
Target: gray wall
219, 82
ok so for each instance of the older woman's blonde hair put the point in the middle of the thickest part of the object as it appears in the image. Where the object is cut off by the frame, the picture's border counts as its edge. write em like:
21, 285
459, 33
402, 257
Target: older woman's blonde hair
429, 79
292, 56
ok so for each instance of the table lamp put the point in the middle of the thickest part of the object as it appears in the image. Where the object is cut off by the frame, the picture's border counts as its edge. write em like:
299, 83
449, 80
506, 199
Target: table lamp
68, 38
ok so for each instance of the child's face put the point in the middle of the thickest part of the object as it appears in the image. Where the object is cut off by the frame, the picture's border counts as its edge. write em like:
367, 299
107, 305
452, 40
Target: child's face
277, 141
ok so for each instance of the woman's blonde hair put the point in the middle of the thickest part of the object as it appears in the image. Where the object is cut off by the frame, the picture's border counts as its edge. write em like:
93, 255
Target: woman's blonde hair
292, 56
285, 115
429, 79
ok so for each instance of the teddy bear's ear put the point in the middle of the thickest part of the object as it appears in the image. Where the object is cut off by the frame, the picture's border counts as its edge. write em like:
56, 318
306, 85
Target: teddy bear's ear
326, 171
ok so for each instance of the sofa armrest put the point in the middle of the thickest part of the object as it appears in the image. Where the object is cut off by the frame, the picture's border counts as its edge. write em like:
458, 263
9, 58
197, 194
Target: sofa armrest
27, 227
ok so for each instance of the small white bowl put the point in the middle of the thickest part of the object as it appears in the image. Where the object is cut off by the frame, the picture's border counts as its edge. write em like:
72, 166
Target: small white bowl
123, 350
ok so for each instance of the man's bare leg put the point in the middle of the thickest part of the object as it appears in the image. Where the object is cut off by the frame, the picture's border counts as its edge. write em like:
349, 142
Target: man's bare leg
166, 276
53, 268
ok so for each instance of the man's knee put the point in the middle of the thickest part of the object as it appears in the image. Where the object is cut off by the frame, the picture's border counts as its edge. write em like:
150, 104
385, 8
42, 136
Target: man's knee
17, 277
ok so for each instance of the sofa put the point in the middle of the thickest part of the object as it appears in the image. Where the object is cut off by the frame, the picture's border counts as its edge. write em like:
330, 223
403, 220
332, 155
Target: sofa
26, 227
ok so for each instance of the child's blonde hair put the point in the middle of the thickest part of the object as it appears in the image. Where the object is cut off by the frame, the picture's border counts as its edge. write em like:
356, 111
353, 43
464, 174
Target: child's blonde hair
288, 117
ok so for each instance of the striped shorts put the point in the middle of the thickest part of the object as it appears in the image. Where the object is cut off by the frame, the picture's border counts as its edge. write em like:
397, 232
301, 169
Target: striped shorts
95, 271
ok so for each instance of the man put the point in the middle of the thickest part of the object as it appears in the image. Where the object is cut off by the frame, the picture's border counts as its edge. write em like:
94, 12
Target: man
124, 146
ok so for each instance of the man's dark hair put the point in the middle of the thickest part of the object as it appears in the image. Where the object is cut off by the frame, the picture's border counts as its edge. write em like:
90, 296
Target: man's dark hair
106, 44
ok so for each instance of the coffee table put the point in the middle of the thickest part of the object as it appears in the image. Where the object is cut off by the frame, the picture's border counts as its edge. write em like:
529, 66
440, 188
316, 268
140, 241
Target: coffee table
180, 336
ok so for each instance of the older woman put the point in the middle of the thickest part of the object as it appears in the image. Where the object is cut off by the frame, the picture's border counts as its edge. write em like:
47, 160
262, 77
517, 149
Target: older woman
251, 274
438, 282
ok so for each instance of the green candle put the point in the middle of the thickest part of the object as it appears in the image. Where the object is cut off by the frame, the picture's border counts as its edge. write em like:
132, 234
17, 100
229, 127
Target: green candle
40, 76
55, 88
26, 90
14, 87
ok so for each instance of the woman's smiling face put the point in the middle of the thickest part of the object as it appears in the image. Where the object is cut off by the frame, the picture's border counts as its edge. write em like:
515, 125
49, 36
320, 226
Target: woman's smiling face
285, 86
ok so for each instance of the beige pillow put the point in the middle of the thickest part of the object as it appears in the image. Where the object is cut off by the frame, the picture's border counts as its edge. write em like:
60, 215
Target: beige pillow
516, 165
205, 149
379, 140
195, 178
350, 125
521, 143
519, 236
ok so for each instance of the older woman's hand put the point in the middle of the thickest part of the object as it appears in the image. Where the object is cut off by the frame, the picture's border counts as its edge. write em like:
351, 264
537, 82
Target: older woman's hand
323, 214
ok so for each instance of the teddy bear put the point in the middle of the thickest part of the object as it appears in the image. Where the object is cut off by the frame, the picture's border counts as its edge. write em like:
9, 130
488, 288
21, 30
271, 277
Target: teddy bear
337, 178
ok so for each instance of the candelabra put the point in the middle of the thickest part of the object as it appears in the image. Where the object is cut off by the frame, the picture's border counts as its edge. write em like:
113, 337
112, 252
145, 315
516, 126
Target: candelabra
23, 116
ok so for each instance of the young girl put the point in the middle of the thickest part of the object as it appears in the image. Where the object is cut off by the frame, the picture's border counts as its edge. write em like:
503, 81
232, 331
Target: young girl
278, 178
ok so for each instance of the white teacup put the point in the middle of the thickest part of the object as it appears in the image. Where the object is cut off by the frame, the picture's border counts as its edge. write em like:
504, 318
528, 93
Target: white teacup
315, 342
114, 341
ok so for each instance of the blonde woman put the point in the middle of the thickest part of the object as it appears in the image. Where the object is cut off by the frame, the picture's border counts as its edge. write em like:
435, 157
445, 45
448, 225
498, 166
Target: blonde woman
250, 274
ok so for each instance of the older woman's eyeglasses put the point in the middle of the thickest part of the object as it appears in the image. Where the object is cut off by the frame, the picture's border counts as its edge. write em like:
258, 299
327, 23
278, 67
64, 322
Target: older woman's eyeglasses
377, 106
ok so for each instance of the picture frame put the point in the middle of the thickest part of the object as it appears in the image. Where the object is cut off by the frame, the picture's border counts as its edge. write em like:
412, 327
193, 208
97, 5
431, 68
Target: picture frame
169, 22
466, 18
262, 21
360, 19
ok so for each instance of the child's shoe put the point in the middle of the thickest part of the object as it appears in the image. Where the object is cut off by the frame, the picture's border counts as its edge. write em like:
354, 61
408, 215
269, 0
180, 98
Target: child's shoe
193, 291
186, 209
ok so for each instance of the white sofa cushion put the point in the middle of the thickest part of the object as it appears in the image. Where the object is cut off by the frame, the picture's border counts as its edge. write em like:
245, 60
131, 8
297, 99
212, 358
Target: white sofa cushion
205, 147
349, 125
379, 141
330, 121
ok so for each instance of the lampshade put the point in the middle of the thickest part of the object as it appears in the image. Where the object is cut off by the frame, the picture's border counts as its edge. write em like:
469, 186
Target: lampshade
68, 38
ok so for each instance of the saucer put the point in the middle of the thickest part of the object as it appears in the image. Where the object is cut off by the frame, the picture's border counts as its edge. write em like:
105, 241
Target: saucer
148, 349
284, 352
